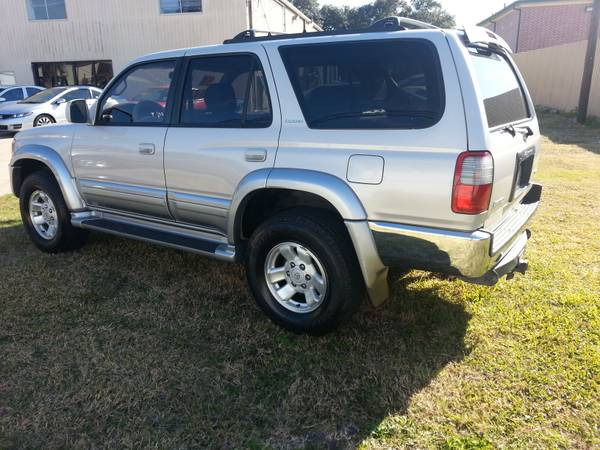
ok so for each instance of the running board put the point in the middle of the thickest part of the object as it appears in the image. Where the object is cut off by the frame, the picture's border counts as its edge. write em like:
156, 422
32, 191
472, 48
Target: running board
169, 236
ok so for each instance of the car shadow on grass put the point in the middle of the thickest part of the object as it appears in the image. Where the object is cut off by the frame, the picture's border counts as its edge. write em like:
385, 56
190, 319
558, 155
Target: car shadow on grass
132, 343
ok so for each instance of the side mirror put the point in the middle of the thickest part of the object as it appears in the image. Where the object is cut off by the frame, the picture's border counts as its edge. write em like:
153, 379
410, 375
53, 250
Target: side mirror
2, 99
77, 112
60, 101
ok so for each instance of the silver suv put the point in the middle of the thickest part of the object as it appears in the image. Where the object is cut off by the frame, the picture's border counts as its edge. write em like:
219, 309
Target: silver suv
319, 160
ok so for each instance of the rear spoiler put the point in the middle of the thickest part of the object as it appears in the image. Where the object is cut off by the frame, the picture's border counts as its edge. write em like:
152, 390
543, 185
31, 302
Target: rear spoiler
482, 36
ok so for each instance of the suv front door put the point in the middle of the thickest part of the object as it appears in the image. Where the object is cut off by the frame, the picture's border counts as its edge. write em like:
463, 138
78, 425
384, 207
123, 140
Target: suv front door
118, 161
228, 126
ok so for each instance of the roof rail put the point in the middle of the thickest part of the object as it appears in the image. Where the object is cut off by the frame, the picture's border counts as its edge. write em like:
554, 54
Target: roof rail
392, 23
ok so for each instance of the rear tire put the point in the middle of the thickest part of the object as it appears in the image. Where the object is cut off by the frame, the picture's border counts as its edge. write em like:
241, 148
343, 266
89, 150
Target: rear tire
303, 271
46, 216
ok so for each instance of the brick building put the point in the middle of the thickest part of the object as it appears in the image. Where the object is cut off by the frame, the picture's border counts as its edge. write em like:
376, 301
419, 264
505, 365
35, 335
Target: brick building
550, 39
533, 24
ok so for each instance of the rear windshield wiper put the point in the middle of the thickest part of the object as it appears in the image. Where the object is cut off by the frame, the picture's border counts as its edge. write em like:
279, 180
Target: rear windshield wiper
525, 131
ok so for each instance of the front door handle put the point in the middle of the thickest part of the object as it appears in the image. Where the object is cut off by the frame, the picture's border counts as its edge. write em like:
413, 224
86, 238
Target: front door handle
256, 155
147, 149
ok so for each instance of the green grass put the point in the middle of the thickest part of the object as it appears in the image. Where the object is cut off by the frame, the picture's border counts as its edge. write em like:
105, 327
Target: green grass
124, 344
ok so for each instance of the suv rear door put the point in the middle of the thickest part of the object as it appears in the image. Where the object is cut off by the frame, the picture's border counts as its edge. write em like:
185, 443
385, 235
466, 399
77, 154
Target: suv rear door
226, 127
510, 127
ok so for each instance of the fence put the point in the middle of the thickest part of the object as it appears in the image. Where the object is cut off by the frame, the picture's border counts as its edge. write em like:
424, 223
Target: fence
553, 76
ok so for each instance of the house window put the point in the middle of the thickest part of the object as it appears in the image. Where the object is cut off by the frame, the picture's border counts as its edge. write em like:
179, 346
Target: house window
89, 73
180, 6
46, 9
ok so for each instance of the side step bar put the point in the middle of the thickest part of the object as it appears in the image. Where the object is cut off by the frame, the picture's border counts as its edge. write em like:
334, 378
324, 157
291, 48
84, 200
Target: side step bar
169, 236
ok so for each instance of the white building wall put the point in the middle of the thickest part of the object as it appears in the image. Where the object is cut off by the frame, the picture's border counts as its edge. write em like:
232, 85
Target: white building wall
279, 16
119, 30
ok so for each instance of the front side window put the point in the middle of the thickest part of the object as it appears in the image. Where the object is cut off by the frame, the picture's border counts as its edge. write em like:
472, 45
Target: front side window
12, 95
180, 6
140, 96
77, 94
390, 84
227, 92
46, 9
503, 95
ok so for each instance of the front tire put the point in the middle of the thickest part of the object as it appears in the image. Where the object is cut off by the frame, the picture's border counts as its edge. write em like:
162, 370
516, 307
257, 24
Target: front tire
303, 272
43, 119
46, 217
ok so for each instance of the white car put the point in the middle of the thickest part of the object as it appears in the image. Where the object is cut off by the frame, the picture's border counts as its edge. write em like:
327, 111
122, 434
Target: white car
44, 108
13, 94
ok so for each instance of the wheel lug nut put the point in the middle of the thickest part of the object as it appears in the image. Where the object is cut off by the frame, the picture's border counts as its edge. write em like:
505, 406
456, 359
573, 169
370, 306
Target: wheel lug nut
303, 286
288, 273
292, 265
307, 277
302, 267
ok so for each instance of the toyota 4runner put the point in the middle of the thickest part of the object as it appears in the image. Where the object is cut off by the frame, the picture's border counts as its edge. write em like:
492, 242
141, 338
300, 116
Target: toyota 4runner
319, 160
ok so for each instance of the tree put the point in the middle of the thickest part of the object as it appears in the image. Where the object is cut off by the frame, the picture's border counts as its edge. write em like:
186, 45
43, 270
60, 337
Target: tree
430, 11
308, 7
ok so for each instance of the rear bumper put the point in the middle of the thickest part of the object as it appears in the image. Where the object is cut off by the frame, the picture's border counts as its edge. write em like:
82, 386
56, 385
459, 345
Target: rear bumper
482, 256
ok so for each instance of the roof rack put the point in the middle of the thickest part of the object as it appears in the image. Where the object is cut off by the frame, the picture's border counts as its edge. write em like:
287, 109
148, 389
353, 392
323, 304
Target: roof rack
392, 23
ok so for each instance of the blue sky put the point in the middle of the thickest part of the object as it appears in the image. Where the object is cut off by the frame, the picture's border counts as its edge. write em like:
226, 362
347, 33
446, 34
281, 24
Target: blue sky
467, 12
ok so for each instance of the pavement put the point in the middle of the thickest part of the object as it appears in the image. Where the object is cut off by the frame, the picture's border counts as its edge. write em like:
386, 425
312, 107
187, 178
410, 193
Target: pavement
5, 151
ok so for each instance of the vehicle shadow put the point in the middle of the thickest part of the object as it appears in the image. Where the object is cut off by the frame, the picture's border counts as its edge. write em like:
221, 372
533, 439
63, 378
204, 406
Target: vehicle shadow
562, 129
173, 351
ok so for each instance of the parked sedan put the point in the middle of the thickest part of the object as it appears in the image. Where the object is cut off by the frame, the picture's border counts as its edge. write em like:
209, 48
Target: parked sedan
12, 94
44, 108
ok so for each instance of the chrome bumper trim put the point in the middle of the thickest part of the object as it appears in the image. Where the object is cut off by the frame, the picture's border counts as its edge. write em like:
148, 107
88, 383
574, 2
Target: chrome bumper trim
468, 255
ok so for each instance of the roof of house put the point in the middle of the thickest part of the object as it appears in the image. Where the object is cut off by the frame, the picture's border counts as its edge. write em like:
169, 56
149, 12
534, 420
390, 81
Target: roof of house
517, 4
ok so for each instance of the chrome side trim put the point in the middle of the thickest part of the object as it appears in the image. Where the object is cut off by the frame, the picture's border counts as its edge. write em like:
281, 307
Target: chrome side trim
202, 200
374, 272
456, 253
119, 188
58, 167
125, 197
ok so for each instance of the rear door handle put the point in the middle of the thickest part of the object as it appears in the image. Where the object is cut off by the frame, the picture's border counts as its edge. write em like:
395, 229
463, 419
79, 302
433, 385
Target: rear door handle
256, 155
147, 149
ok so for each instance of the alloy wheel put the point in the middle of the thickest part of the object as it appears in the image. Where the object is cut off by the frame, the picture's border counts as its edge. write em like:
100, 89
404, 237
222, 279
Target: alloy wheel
295, 277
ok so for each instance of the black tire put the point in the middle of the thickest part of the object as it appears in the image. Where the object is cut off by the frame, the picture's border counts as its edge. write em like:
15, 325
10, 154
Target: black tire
328, 240
41, 117
67, 237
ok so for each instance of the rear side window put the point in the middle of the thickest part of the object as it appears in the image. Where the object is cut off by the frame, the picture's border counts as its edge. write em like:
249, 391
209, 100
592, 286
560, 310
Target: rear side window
13, 94
226, 91
503, 95
391, 84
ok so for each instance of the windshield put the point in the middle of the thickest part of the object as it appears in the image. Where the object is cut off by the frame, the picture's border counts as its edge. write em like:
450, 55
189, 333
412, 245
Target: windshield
44, 96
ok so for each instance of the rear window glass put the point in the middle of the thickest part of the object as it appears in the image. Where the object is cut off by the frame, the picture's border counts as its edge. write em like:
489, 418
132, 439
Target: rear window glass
502, 93
392, 84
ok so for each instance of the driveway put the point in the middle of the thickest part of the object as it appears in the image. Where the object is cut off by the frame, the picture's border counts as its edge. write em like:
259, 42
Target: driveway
5, 141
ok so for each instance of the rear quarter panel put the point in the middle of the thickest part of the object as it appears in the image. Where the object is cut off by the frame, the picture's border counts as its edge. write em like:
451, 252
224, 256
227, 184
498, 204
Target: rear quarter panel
418, 172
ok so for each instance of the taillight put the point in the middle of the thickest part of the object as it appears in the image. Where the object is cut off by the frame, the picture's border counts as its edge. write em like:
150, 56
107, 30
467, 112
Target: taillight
473, 181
